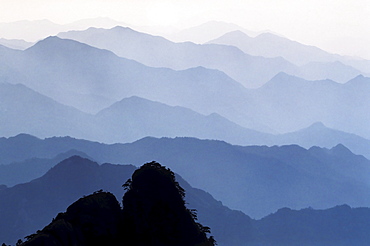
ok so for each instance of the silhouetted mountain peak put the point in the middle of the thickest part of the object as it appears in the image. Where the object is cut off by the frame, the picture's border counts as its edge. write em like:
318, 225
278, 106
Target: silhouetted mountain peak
73, 153
154, 211
340, 149
359, 80
268, 35
71, 168
54, 45
237, 34
317, 126
284, 76
283, 79
153, 214
92, 220
24, 138
121, 28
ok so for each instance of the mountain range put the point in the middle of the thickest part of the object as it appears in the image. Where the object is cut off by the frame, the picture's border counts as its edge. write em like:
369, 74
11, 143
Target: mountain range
33, 31
251, 71
290, 176
17, 44
28, 207
260, 121
67, 77
134, 118
207, 31
246, 69
50, 194
272, 45
91, 79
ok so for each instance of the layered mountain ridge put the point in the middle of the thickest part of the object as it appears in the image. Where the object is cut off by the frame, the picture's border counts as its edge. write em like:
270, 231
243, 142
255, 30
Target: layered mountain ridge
290, 176
89, 218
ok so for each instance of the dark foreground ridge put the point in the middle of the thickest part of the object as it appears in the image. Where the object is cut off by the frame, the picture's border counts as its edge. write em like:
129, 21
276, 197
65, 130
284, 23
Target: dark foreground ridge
153, 214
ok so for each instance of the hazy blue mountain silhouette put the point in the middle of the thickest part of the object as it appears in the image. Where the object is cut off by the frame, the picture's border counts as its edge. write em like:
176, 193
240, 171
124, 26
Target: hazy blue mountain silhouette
136, 118
91, 79
73, 73
36, 30
340, 225
319, 135
340, 106
133, 118
29, 169
336, 71
24, 110
251, 71
29, 30
271, 45
207, 31
18, 44
290, 176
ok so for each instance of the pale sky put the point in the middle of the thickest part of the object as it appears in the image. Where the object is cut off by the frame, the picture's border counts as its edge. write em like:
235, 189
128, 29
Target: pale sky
335, 25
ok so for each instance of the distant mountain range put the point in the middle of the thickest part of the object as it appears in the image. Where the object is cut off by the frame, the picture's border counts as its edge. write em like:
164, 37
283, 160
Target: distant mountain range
25, 110
287, 102
18, 44
207, 31
251, 71
33, 31
91, 79
290, 176
259, 121
134, 118
28, 207
156, 51
271, 45
129, 120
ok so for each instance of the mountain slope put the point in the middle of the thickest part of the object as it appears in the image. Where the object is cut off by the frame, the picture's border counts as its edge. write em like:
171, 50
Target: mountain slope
153, 213
52, 193
30, 169
129, 120
18, 44
319, 135
133, 118
24, 110
207, 31
340, 225
158, 52
270, 45
251, 71
339, 106
91, 79
290, 176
